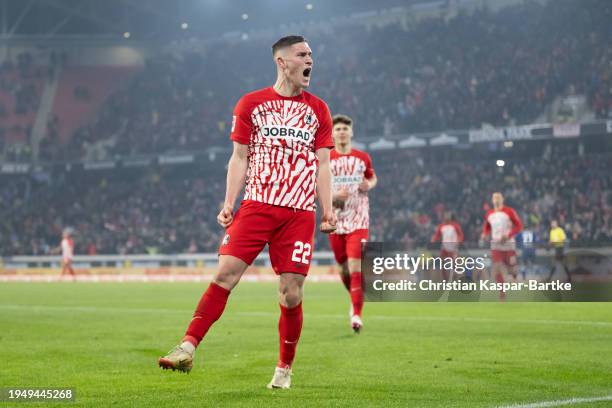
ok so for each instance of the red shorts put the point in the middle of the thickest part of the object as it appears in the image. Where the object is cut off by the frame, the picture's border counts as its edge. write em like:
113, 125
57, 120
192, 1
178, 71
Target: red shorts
348, 245
448, 254
288, 232
506, 257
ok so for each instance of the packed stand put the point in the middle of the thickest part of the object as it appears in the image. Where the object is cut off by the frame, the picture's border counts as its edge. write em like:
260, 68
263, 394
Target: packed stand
414, 193
499, 69
22, 79
173, 210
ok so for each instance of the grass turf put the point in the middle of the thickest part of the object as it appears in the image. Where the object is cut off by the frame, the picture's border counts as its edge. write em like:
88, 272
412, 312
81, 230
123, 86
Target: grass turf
104, 339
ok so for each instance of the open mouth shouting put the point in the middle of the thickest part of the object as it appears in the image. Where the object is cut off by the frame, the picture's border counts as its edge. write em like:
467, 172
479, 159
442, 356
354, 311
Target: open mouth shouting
307, 72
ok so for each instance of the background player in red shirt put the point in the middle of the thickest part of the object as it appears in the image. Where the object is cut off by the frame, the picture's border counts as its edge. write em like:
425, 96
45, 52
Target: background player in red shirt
282, 141
352, 178
67, 249
502, 223
450, 234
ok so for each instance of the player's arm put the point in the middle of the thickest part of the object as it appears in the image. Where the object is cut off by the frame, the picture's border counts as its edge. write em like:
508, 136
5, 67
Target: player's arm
369, 180
551, 238
340, 197
436, 236
460, 236
55, 250
368, 183
328, 220
236, 174
486, 230
517, 224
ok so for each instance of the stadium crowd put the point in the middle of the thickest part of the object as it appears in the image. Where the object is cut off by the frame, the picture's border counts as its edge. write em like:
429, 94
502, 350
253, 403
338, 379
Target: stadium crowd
19, 96
173, 210
148, 213
575, 190
430, 75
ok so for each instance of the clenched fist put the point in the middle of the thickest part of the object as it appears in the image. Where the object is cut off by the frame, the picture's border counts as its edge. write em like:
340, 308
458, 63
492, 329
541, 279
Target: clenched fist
226, 216
328, 222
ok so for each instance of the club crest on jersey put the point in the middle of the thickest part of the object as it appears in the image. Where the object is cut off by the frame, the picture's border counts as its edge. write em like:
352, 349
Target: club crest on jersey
308, 119
226, 239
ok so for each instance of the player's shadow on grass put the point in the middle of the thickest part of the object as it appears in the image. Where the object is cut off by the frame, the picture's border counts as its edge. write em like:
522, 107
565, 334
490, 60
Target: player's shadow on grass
347, 336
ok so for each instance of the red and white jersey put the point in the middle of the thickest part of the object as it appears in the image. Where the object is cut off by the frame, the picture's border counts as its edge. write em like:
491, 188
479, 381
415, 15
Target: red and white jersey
504, 222
450, 234
283, 134
348, 171
67, 248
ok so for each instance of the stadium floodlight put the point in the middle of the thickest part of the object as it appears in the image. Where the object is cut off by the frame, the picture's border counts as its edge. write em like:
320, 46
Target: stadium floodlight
309, 6
500, 163
127, 35
508, 143
245, 16
185, 26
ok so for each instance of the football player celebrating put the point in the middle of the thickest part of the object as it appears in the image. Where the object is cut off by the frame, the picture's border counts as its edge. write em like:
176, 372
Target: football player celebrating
67, 249
352, 178
281, 139
450, 234
502, 223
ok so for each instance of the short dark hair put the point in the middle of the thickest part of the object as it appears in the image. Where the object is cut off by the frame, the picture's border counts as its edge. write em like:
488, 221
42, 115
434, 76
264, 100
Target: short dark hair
286, 41
342, 119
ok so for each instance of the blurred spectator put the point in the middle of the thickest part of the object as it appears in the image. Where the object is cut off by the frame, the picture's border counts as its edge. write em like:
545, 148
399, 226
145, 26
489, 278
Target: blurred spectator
500, 68
174, 210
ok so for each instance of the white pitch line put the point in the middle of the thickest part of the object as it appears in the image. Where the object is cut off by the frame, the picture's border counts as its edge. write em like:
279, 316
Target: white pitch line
95, 309
558, 403
493, 320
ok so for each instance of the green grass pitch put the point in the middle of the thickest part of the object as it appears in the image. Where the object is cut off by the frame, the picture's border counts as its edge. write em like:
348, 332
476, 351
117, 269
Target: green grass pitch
104, 340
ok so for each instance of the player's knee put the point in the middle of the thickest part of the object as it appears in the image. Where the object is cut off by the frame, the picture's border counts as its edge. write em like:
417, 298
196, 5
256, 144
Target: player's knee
292, 300
354, 265
290, 295
230, 271
227, 278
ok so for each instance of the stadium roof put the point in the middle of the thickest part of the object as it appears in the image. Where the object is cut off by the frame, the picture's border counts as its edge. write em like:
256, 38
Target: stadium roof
162, 20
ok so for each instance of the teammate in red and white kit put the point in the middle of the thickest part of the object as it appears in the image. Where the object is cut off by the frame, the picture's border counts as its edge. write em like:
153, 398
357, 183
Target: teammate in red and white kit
502, 223
282, 136
67, 248
450, 234
352, 178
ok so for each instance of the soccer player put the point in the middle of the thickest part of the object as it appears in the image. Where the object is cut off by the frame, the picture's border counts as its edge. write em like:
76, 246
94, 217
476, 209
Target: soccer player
557, 240
527, 240
67, 248
281, 144
502, 223
450, 234
353, 176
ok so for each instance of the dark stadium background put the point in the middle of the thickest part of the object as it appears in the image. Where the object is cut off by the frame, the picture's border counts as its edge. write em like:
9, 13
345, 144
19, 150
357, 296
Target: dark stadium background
114, 122
168, 90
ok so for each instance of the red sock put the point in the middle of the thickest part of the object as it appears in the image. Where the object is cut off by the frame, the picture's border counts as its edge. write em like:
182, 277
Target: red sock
356, 293
500, 279
289, 329
209, 309
346, 280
